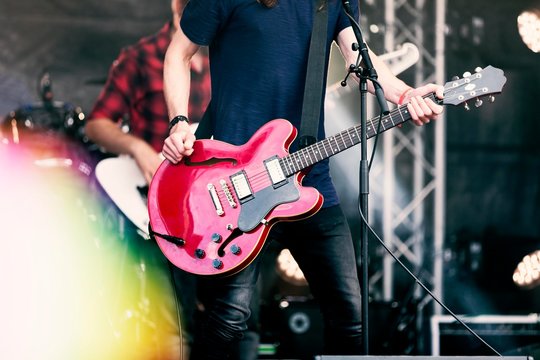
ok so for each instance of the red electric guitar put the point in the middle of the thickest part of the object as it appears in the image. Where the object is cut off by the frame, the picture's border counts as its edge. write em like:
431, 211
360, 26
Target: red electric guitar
211, 213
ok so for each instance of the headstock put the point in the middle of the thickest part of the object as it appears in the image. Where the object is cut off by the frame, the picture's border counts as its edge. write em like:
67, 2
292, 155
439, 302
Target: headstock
484, 82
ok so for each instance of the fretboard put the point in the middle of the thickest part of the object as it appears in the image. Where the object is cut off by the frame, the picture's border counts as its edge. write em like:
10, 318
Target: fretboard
333, 145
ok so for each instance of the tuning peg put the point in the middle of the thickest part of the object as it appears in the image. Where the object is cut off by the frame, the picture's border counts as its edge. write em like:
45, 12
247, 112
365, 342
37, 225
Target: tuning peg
455, 77
466, 74
478, 103
491, 98
467, 107
478, 69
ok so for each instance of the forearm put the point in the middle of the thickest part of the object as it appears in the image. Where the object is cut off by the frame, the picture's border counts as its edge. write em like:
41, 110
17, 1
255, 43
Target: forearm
393, 87
177, 77
108, 135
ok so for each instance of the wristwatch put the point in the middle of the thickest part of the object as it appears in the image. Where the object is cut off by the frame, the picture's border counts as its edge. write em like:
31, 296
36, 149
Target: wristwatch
175, 120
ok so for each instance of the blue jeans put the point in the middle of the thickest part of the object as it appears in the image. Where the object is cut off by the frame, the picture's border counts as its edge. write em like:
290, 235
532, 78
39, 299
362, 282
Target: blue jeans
323, 248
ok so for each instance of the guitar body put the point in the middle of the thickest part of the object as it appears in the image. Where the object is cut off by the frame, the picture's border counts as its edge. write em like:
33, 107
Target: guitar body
223, 200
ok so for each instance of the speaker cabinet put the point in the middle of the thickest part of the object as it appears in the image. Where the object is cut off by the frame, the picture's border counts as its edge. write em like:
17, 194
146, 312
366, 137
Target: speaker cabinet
301, 334
508, 334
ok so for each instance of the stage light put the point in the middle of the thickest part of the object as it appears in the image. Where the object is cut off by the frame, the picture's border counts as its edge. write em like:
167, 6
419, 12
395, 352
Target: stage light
527, 273
529, 28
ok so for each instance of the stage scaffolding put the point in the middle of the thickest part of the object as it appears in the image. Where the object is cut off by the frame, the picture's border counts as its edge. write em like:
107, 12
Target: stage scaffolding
414, 227
407, 179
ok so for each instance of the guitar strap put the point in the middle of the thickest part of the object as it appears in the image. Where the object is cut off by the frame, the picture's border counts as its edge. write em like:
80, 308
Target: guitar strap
311, 108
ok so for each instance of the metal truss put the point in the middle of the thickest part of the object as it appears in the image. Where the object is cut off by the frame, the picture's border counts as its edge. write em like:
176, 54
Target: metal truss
412, 170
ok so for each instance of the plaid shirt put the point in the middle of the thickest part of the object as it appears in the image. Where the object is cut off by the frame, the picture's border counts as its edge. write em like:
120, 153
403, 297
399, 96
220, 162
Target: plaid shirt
134, 89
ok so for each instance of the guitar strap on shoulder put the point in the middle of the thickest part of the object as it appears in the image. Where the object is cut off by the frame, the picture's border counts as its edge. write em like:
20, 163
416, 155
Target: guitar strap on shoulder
311, 108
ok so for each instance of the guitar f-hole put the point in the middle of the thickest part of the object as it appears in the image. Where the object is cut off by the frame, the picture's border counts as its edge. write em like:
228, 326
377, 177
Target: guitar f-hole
235, 233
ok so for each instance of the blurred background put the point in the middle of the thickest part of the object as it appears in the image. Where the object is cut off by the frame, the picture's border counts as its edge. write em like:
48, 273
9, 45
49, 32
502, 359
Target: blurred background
458, 201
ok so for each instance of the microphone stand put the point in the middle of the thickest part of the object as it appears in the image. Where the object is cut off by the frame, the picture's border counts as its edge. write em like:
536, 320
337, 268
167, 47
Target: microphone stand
364, 74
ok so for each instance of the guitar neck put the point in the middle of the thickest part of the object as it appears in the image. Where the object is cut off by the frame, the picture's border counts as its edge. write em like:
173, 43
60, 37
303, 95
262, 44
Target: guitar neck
333, 145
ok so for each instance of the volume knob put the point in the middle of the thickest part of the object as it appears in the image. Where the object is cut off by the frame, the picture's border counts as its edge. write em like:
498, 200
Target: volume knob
235, 249
217, 264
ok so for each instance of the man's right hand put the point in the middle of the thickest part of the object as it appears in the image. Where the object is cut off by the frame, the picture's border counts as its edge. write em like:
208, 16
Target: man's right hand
146, 158
179, 143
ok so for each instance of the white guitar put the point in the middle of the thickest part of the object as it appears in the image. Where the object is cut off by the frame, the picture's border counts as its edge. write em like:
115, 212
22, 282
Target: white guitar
124, 183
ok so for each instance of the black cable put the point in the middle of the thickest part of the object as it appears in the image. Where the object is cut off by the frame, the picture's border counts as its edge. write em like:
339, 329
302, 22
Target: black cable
375, 141
417, 280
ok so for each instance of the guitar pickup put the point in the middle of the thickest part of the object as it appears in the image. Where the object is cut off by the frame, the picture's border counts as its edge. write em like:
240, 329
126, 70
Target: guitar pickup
241, 187
275, 171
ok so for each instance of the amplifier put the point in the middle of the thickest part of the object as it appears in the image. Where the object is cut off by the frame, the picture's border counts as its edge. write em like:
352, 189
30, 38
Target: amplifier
508, 334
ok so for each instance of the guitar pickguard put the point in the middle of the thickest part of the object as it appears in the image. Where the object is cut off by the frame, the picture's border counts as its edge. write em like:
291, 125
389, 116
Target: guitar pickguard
263, 201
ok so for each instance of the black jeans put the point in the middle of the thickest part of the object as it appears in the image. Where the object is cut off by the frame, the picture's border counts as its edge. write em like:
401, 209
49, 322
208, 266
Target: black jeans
323, 248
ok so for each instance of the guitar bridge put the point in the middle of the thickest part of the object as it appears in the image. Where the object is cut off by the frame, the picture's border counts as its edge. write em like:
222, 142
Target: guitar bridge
228, 193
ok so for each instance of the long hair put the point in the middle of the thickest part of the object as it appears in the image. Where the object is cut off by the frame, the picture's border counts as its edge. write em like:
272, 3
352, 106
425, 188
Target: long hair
268, 3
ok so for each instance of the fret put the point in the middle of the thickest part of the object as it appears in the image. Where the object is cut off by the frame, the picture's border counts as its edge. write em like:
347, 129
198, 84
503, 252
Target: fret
283, 163
356, 138
293, 164
324, 147
350, 141
344, 144
299, 160
335, 150
401, 114
391, 120
350, 138
307, 156
356, 128
373, 123
320, 155
381, 125
372, 130
369, 128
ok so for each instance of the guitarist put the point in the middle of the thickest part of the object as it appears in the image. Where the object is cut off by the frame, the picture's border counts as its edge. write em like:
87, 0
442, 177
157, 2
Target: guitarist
258, 52
134, 88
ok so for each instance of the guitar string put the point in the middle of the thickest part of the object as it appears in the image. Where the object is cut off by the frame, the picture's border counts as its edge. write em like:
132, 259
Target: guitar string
303, 158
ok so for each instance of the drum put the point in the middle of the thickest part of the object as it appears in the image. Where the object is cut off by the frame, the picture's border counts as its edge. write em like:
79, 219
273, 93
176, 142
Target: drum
50, 135
56, 116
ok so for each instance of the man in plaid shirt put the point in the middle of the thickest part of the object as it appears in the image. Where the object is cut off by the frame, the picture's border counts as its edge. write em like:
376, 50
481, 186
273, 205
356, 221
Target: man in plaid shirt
134, 89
